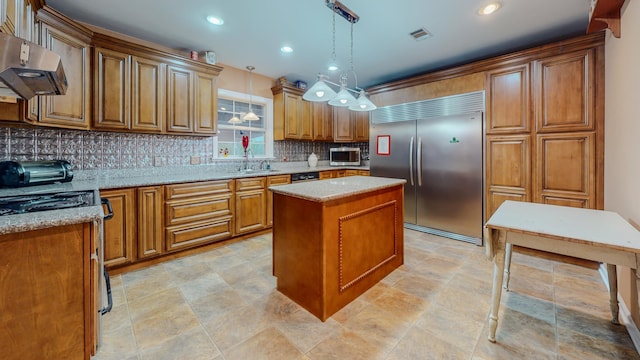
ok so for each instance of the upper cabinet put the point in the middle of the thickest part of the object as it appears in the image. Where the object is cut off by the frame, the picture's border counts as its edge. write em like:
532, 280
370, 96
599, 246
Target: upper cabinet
605, 14
142, 89
291, 114
508, 105
70, 41
564, 92
350, 126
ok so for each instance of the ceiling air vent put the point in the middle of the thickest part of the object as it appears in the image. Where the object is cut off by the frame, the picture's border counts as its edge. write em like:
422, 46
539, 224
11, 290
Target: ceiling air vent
420, 34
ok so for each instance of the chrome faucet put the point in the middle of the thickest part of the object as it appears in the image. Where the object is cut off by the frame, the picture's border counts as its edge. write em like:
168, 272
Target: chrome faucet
262, 163
246, 158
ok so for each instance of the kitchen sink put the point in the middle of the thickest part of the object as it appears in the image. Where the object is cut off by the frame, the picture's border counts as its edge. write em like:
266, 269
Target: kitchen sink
257, 171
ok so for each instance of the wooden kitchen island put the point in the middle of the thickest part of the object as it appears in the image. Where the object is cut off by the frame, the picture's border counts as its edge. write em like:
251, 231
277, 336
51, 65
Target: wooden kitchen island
334, 239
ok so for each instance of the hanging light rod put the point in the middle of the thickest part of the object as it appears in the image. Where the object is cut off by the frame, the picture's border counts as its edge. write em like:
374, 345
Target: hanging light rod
343, 11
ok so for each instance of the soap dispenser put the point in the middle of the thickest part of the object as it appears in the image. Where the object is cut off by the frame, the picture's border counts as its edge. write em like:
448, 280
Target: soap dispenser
313, 160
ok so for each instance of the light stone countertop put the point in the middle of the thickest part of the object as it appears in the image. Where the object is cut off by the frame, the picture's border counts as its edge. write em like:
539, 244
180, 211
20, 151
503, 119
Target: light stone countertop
331, 189
123, 178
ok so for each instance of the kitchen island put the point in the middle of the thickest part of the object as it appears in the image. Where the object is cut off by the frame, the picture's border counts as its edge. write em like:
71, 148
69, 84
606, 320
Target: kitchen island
334, 239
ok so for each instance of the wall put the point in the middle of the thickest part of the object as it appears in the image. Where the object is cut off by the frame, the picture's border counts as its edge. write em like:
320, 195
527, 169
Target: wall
622, 128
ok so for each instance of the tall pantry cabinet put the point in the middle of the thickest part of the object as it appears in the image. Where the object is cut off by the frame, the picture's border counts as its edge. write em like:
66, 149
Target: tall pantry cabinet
545, 128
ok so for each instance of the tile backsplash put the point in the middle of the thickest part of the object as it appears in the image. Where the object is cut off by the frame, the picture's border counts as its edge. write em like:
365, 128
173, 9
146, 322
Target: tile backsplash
93, 150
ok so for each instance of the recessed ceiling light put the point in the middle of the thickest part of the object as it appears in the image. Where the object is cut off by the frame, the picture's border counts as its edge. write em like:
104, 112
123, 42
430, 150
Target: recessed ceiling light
490, 8
286, 49
215, 20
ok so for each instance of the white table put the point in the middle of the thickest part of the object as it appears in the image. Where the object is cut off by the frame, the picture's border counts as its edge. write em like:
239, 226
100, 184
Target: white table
596, 235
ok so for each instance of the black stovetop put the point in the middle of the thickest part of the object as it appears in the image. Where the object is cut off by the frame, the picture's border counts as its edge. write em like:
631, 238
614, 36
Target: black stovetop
42, 202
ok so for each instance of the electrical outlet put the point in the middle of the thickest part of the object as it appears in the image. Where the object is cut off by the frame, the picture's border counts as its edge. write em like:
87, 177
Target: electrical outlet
157, 161
195, 160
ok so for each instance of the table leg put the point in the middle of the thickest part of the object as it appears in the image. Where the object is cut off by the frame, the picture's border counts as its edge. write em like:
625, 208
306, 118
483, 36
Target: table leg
496, 291
507, 266
613, 293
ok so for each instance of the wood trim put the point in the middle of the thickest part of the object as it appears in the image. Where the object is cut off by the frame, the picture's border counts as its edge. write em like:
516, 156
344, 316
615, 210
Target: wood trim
62, 23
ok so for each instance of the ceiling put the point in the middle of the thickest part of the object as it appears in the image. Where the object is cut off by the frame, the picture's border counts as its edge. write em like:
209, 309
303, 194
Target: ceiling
254, 31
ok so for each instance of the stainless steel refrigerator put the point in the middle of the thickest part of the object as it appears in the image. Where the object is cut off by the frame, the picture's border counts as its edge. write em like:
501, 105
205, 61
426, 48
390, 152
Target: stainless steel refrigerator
441, 157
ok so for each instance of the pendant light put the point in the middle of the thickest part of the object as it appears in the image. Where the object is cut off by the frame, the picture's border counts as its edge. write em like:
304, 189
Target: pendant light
321, 91
250, 116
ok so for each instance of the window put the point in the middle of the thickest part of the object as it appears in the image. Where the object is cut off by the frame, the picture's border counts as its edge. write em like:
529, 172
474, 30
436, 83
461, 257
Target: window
234, 105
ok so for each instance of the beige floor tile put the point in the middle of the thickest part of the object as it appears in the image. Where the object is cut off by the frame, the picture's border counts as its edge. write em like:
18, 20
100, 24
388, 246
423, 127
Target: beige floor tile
421, 345
531, 306
268, 344
346, 345
401, 304
146, 282
202, 285
276, 306
156, 328
306, 331
450, 326
592, 325
236, 326
217, 304
150, 305
350, 310
254, 287
237, 273
577, 346
379, 327
191, 345
523, 334
420, 286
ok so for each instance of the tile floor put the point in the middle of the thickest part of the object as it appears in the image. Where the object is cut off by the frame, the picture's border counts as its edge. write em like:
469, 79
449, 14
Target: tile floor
223, 305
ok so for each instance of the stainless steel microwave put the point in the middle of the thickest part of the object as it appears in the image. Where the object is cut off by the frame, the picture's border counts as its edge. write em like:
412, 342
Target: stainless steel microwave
344, 156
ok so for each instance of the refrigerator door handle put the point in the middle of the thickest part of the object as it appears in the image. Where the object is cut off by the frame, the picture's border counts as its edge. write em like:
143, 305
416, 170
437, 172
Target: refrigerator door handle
411, 161
419, 161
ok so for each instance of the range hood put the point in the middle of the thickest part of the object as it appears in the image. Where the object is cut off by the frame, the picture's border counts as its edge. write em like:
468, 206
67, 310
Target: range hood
28, 69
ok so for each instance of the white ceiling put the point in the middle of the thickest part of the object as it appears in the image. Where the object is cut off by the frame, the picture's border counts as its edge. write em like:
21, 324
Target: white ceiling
254, 31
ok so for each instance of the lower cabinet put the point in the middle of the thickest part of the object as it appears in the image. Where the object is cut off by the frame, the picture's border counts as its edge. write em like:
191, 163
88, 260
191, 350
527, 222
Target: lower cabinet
251, 205
328, 174
271, 181
150, 227
48, 293
198, 213
120, 231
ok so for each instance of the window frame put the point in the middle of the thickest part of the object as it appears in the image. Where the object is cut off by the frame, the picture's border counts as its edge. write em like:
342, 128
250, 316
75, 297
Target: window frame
267, 103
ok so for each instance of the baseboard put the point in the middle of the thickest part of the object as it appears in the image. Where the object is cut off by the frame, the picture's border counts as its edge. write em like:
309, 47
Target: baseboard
624, 315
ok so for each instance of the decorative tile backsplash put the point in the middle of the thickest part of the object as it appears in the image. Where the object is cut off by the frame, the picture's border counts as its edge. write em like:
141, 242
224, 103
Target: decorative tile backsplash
93, 150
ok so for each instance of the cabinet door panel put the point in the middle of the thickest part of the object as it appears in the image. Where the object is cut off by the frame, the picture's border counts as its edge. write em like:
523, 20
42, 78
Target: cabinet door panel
206, 107
566, 166
496, 198
342, 127
180, 100
111, 89
147, 94
360, 121
251, 211
293, 112
120, 231
508, 100
274, 180
180, 237
150, 226
579, 203
564, 92
508, 162
71, 109
190, 210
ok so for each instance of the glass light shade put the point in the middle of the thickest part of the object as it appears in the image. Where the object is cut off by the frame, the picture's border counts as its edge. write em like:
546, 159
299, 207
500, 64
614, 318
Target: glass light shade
320, 91
235, 120
363, 103
251, 116
343, 98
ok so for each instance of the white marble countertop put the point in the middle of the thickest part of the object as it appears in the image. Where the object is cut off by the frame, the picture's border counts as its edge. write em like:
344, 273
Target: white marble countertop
113, 179
331, 189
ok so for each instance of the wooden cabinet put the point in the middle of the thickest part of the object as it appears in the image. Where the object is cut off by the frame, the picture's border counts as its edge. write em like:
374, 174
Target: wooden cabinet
565, 169
605, 14
180, 100
360, 120
121, 230
343, 130
112, 89
508, 170
71, 42
322, 121
271, 181
206, 104
8, 16
191, 101
292, 116
47, 292
198, 213
508, 100
251, 205
128, 92
327, 174
150, 224
17, 18
564, 90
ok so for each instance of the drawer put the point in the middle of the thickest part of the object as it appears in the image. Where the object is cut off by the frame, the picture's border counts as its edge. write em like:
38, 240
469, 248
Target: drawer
250, 183
202, 188
180, 237
196, 209
278, 180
